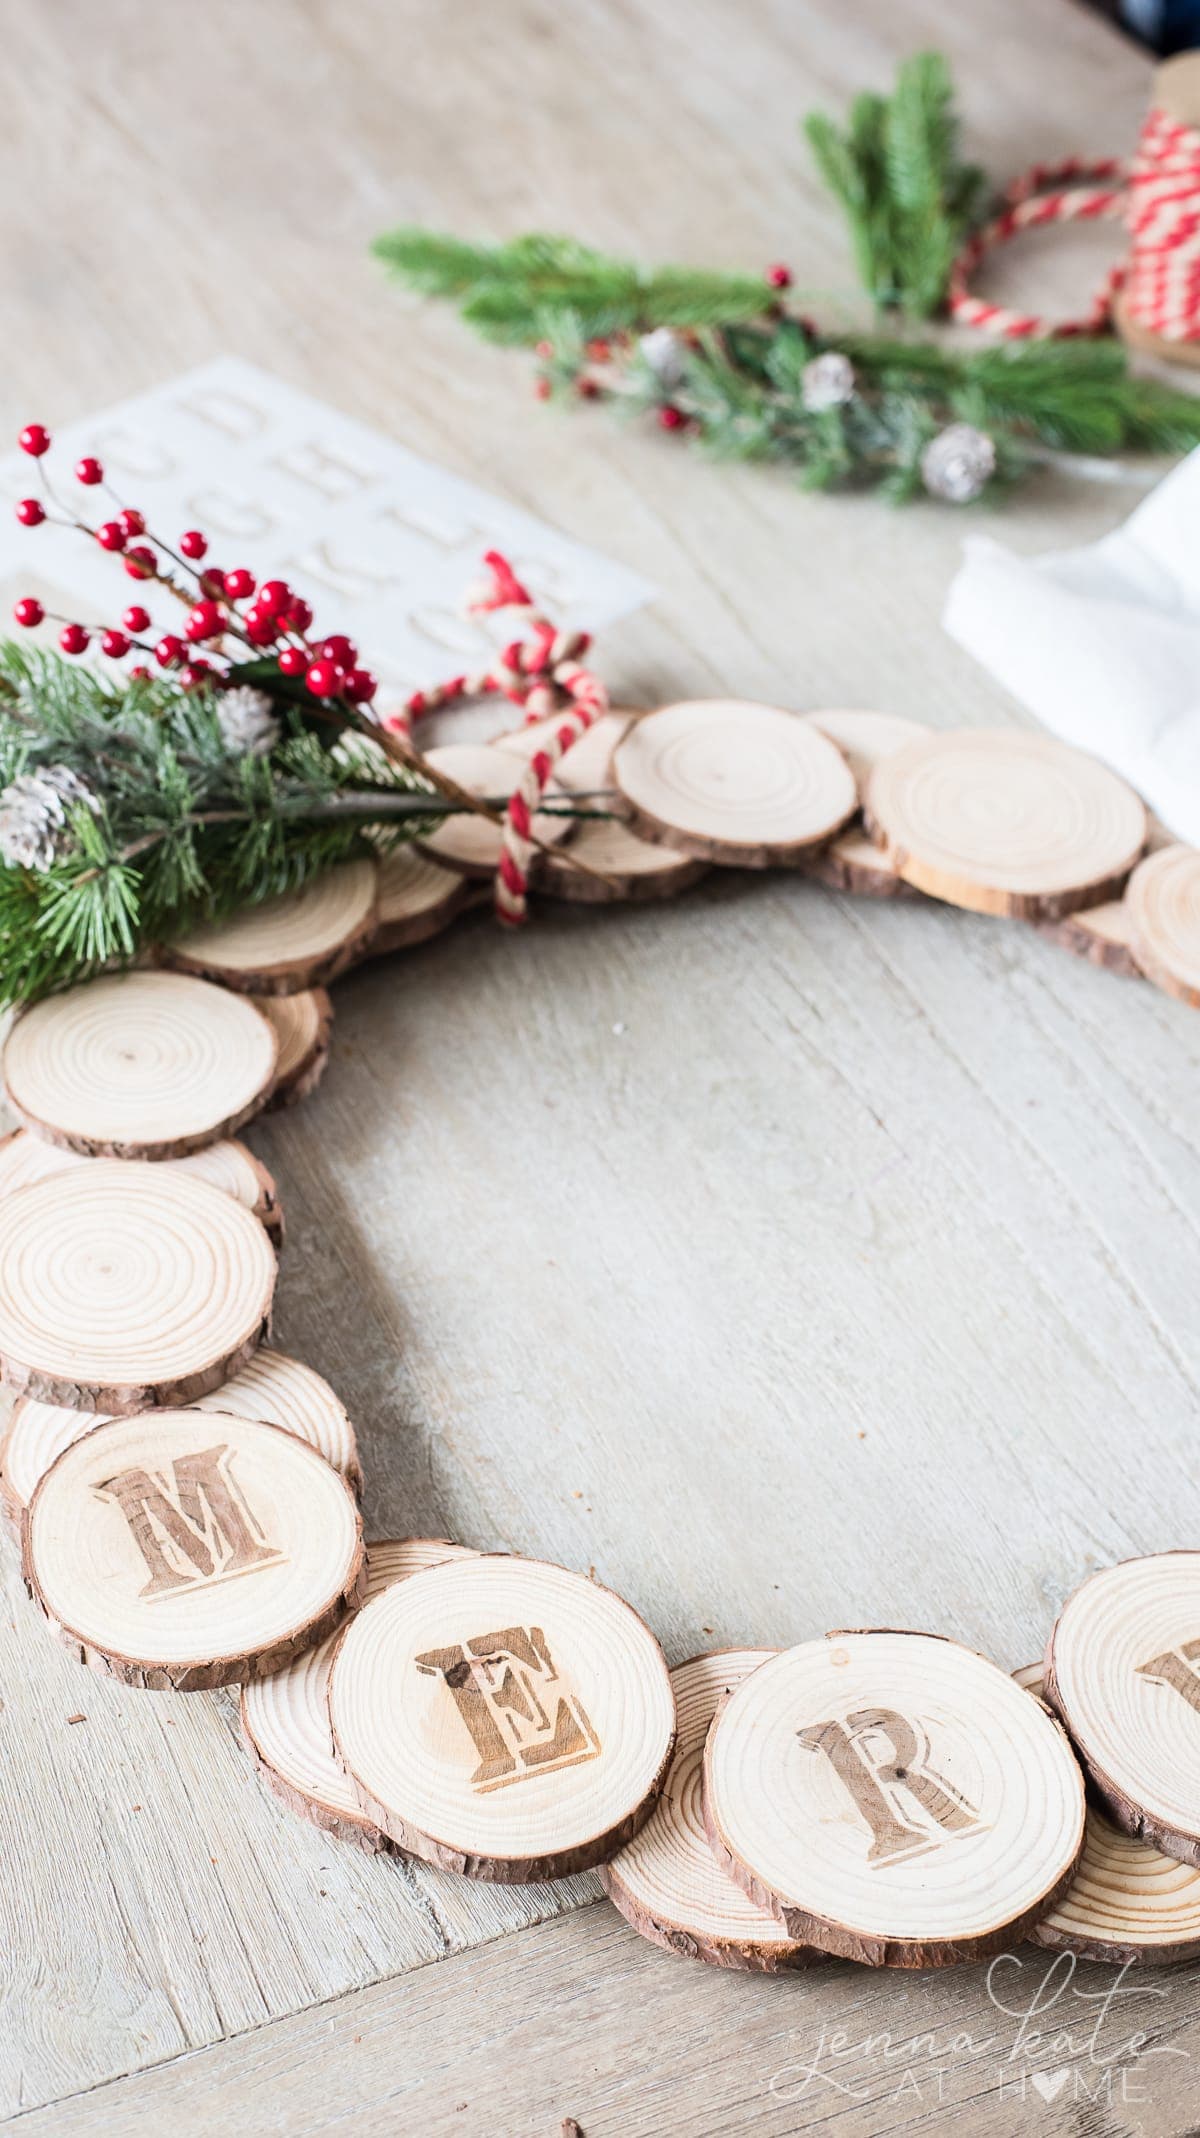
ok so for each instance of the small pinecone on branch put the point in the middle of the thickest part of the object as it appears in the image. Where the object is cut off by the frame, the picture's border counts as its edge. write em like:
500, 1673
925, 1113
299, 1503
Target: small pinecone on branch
247, 721
957, 465
34, 809
827, 381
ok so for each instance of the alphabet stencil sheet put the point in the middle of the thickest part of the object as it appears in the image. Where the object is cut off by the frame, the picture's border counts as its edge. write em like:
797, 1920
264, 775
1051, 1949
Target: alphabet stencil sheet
358, 524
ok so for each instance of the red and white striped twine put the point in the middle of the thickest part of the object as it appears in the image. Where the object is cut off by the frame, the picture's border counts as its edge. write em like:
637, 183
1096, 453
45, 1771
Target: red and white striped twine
1157, 196
543, 673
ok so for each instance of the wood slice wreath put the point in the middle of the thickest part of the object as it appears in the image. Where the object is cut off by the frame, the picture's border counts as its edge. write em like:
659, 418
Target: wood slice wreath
124, 1285
538, 1718
285, 1717
139, 1065
303, 1025
273, 1387
1101, 934
1127, 1902
894, 1798
299, 940
667, 1882
1121, 1671
1164, 913
732, 782
417, 899
473, 844
190, 1548
1001, 821
228, 1165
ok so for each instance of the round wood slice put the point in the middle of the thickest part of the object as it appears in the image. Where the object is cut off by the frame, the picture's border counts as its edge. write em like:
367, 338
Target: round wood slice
139, 1065
1127, 1902
895, 1798
866, 738
123, 1285
191, 1548
1001, 821
298, 940
852, 863
1121, 1670
472, 845
303, 1025
1164, 914
285, 1718
667, 1881
503, 1718
1101, 934
272, 1387
25, 1158
628, 869
417, 899
744, 784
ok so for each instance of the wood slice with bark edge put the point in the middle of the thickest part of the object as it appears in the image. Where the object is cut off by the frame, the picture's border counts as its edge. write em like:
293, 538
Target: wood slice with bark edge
228, 1165
1128, 1903
865, 738
666, 1881
1135, 1730
998, 820
852, 863
1101, 934
301, 939
303, 1027
893, 1876
855, 866
466, 1784
127, 1285
417, 899
285, 1717
277, 1389
628, 870
253, 1553
138, 1065
1164, 913
743, 784
469, 844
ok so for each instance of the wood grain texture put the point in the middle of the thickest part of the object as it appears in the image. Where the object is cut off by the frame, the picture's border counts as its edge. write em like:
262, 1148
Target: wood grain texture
977, 1176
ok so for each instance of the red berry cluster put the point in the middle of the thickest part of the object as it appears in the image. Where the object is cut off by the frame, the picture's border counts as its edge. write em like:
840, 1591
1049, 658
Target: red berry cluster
226, 605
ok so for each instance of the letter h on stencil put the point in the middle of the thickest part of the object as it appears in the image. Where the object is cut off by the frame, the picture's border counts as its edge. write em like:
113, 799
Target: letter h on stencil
875, 1784
192, 1529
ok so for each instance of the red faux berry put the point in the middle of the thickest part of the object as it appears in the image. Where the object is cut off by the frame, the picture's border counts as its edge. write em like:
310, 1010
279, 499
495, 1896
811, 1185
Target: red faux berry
114, 644
239, 583
543, 349
169, 650
542, 389
324, 679
299, 616
339, 649
212, 581
111, 535
275, 597
293, 661
779, 277
31, 512
136, 618
671, 419
141, 672
205, 621
132, 522
89, 471
73, 638
194, 673
34, 439
587, 388
193, 543
29, 612
260, 630
140, 562
360, 686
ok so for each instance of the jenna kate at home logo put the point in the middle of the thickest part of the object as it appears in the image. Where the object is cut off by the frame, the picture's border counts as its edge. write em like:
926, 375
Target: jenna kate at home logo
521, 1713
1051, 2038
191, 1523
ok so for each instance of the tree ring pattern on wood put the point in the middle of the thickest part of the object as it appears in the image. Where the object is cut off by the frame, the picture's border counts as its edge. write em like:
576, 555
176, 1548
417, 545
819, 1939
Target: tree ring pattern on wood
894, 1797
192, 1548
139, 1065
417, 899
1164, 910
473, 844
667, 1882
1127, 1901
1001, 821
503, 1717
302, 1024
741, 783
227, 1165
297, 940
1123, 1671
124, 1285
285, 1717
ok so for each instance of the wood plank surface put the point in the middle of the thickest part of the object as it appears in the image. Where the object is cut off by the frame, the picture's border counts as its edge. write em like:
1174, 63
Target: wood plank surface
791, 1262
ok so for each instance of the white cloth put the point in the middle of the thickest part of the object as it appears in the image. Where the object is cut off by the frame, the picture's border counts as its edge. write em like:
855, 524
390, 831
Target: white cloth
1103, 643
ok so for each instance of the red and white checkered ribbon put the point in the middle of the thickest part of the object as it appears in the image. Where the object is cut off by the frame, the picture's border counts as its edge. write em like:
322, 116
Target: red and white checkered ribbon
1157, 196
543, 673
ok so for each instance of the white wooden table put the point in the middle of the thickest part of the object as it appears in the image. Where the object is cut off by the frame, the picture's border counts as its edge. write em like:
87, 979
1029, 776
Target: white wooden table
792, 1262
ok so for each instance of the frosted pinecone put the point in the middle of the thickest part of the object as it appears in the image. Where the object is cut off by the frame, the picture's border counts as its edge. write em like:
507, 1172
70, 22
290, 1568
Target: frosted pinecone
957, 464
34, 809
827, 382
247, 721
663, 351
